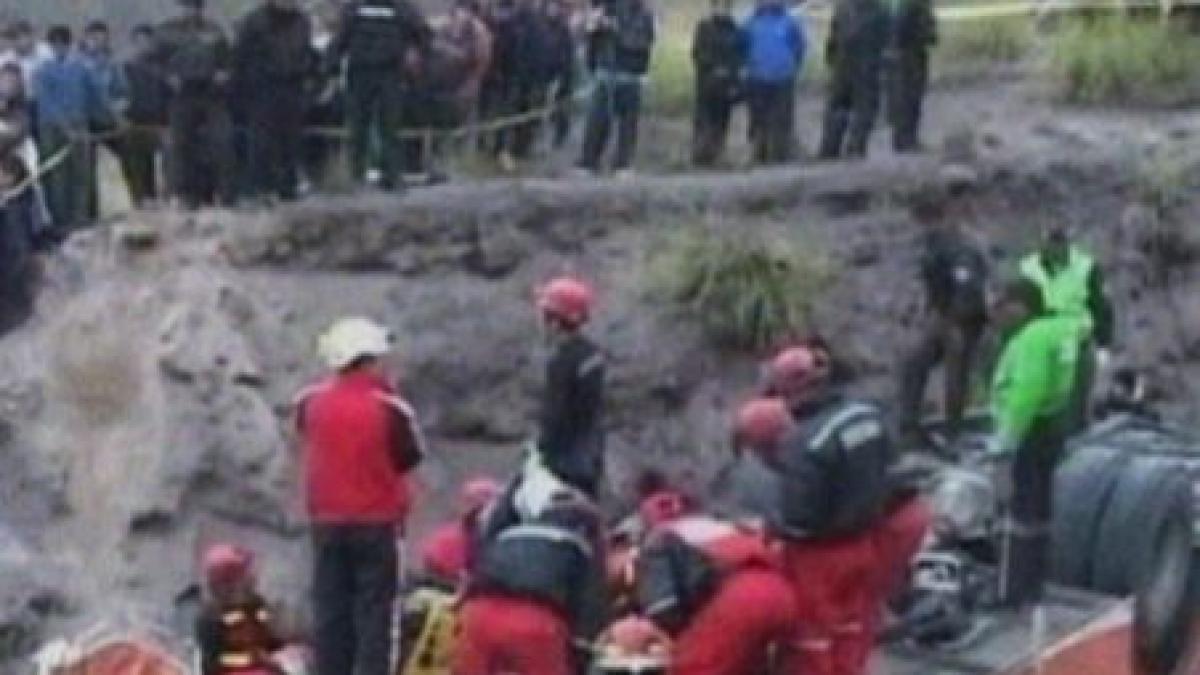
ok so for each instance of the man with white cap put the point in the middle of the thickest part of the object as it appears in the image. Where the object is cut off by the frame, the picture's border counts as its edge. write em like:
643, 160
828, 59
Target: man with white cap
360, 439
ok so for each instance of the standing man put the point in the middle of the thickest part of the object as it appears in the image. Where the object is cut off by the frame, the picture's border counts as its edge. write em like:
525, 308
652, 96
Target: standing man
914, 33
197, 60
570, 439
954, 273
69, 104
1073, 285
525, 49
361, 439
275, 64
718, 54
381, 42
775, 54
28, 52
621, 36
560, 64
148, 99
97, 54
1031, 397
855, 55
830, 462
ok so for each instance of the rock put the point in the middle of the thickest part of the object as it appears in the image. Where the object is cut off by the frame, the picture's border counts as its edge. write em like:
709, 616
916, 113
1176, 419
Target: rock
958, 178
959, 146
136, 235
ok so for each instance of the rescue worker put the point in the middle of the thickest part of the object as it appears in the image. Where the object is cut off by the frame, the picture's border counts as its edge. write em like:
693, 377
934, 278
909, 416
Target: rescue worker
380, 41
621, 37
234, 630
536, 595
775, 49
716, 586
445, 553
913, 34
718, 55
275, 65
570, 440
198, 61
1031, 399
854, 52
1072, 284
360, 438
829, 471
954, 273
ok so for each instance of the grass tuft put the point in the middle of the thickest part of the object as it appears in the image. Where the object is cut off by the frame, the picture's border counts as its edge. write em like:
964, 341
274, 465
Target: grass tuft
747, 289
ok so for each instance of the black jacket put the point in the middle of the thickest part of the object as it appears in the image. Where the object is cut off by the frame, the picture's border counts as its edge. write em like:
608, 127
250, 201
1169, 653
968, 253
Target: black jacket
149, 94
625, 47
955, 275
674, 580
718, 53
834, 470
858, 34
556, 558
274, 47
570, 439
193, 52
914, 26
558, 54
376, 34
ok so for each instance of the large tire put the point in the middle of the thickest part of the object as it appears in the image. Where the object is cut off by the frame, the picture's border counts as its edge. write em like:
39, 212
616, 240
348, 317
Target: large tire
1083, 486
1152, 500
1165, 602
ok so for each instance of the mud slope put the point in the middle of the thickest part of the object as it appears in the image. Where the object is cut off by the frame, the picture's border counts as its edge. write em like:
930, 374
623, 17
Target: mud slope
146, 405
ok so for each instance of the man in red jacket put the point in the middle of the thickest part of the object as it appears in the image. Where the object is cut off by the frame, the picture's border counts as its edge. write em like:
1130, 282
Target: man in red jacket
360, 440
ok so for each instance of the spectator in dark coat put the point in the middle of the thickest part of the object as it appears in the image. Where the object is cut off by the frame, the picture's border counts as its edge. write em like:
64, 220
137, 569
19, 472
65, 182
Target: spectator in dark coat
18, 223
718, 55
149, 96
274, 66
560, 66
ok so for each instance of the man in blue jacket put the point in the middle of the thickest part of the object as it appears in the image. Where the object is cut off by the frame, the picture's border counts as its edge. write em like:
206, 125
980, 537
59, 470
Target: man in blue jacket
70, 103
775, 46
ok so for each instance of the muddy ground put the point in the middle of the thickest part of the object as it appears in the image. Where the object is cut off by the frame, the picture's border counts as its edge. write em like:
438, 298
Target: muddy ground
145, 408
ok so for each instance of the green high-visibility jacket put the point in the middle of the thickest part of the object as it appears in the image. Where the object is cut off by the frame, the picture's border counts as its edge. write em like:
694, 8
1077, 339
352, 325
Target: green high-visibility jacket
1035, 377
1067, 290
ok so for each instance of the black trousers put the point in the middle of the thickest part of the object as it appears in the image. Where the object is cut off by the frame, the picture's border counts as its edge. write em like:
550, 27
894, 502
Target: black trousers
275, 114
375, 111
612, 102
952, 344
138, 151
852, 107
1024, 557
522, 96
355, 580
772, 120
710, 122
204, 169
908, 77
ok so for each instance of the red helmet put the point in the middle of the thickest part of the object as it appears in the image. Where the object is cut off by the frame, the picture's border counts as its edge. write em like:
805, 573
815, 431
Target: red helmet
662, 507
478, 493
797, 369
226, 564
761, 424
567, 299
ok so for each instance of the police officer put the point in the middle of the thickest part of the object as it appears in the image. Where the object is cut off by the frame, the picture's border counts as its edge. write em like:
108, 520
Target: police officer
718, 53
954, 273
197, 60
914, 33
854, 52
380, 41
1073, 285
275, 63
1031, 397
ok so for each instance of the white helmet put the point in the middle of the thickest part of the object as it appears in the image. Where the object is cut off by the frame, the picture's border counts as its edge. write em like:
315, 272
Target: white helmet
350, 339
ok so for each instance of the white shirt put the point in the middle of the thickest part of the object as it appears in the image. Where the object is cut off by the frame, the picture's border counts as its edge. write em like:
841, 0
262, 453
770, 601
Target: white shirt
29, 63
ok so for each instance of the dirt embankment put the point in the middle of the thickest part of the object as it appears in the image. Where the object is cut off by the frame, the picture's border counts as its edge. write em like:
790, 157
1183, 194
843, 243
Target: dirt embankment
146, 405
